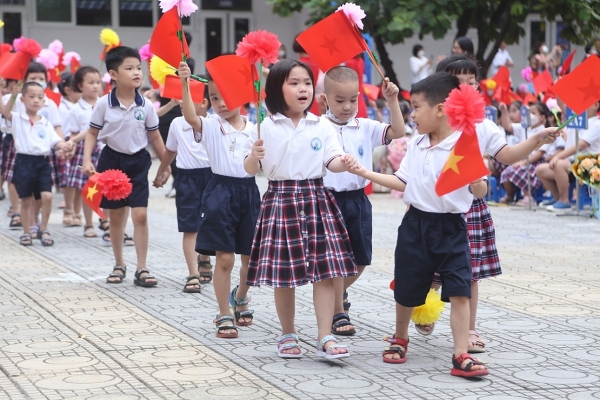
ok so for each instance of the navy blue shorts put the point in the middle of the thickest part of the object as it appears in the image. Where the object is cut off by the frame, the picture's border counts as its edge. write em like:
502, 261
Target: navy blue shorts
189, 188
428, 243
136, 167
230, 209
32, 175
357, 212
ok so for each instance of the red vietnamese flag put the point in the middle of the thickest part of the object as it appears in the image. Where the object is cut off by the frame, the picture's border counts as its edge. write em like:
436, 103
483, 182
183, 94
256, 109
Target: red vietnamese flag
75, 64
92, 194
332, 41
165, 43
581, 88
54, 96
542, 82
14, 65
371, 91
234, 76
172, 89
502, 77
566, 66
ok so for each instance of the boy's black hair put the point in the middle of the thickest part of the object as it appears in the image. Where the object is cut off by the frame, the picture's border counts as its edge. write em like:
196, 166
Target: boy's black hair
115, 57
29, 84
274, 86
79, 77
436, 88
458, 64
36, 67
66, 78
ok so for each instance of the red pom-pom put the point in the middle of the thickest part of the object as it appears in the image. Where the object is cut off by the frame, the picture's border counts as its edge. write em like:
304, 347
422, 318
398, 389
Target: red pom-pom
115, 184
30, 47
259, 45
464, 107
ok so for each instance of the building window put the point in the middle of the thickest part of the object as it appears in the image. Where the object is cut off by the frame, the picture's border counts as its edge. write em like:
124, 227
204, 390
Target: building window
13, 2
53, 10
135, 13
93, 12
12, 26
241, 29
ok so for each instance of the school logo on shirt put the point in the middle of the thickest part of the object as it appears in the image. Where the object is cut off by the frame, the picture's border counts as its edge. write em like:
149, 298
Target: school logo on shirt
361, 151
42, 134
44, 113
139, 115
316, 144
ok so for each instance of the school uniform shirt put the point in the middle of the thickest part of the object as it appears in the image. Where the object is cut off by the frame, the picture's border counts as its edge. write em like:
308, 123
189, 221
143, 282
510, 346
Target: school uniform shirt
358, 138
64, 108
423, 163
79, 118
35, 139
296, 153
124, 129
180, 140
521, 134
48, 111
591, 136
224, 145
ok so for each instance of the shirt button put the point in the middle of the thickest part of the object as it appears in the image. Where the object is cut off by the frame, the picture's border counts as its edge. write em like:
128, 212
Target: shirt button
305, 236
302, 213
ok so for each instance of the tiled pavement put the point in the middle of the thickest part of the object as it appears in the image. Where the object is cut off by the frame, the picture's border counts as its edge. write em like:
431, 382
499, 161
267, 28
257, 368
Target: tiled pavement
64, 333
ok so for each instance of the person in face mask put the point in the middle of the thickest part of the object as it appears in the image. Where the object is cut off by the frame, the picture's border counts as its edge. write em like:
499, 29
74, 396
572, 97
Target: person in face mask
420, 65
544, 59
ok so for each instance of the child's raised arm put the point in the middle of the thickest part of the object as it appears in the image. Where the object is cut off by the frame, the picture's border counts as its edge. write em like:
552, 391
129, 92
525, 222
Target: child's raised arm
505, 118
252, 162
511, 154
389, 181
397, 128
189, 113
11, 103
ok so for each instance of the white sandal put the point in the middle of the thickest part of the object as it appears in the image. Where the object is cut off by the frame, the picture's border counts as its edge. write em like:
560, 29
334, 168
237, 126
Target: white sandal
287, 342
328, 353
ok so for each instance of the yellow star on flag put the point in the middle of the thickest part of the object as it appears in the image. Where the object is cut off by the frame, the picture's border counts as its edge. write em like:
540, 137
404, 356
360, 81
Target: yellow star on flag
92, 192
452, 162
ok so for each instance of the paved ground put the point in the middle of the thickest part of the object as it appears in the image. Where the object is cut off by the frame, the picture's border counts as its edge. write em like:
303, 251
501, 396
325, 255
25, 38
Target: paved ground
64, 333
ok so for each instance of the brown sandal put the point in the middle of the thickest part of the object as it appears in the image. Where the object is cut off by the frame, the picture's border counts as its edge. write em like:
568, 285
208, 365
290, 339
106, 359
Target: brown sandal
77, 220
67, 217
88, 232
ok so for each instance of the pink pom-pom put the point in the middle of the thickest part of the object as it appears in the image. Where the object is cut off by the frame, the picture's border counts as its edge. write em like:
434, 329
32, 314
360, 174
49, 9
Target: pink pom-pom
115, 184
106, 78
464, 107
17, 43
354, 13
259, 45
185, 8
56, 47
69, 57
48, 58
523, 88
30, 47
145, 53
526, 73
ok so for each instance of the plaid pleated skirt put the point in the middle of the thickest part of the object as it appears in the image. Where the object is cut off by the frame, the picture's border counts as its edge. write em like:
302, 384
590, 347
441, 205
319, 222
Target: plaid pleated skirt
75, 177
482, 242
498, 166
59, 170
518, 177
8, 157
300, 237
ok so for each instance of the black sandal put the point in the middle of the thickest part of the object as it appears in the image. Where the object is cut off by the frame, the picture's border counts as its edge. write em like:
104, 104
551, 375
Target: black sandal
103, 225
188, 288
15, 222
234, 303
26, 239
339, 321
347, 304
47, 241
117, 275
142, 281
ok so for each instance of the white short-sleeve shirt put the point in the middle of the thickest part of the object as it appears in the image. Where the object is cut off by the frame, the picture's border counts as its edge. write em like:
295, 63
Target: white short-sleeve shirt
190, 154
521, 134
79, 117
48, 111
37, 139
225, 145
591, 136
296, 152
64, 109
423, 164
124, 129
358, 138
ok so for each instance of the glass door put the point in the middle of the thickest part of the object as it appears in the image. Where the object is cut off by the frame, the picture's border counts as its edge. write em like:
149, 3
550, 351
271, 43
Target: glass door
13, 23
222, 31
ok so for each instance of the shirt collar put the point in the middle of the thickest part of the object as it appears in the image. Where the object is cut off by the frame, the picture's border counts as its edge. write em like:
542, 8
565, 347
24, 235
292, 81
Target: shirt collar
223, 121
113, 101
446, 144
309, 117
84, 104
25, 117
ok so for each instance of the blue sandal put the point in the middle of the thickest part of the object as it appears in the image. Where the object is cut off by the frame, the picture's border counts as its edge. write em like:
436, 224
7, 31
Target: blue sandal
234, 302
328, 353
288, 341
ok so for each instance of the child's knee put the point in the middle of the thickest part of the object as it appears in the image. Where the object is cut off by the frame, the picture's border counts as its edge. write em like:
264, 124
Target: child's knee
139, 215
225, 260
46, 196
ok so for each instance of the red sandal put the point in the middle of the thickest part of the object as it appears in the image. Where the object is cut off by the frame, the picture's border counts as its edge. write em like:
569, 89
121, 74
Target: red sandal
466, 372
398, 346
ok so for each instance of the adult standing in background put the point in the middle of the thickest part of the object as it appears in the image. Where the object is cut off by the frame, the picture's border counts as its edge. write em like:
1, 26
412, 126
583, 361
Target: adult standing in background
420, 65
501, 59
462, 45
544, 59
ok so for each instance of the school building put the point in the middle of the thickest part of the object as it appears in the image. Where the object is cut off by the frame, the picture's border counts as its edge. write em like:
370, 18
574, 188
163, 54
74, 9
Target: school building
216, 28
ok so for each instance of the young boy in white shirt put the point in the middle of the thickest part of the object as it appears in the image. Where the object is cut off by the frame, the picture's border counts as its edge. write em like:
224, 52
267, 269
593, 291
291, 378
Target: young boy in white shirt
124, 121
34, 139
358, 137
433, 234
192, 178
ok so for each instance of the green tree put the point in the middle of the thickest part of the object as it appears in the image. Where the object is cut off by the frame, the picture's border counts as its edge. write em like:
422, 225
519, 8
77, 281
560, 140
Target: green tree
393, 21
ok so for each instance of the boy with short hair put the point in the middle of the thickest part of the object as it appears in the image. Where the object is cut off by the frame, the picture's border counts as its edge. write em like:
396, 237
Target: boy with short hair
34, 139
190, 182
124, 121
433, 233
358, 137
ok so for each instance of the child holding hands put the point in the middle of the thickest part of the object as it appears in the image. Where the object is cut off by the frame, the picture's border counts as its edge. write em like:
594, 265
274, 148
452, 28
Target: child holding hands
300, 236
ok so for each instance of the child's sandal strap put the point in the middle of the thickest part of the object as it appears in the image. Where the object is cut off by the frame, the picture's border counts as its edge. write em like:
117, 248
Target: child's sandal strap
287, 338
457, 362
395, 340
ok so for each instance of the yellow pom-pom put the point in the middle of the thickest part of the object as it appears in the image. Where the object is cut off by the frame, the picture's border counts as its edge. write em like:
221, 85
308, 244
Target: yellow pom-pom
108, 37
491, 84
429, 312
159, 70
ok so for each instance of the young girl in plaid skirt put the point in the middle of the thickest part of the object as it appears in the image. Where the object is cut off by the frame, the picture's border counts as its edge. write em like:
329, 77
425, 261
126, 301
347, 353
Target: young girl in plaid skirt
87, 82
300, 236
